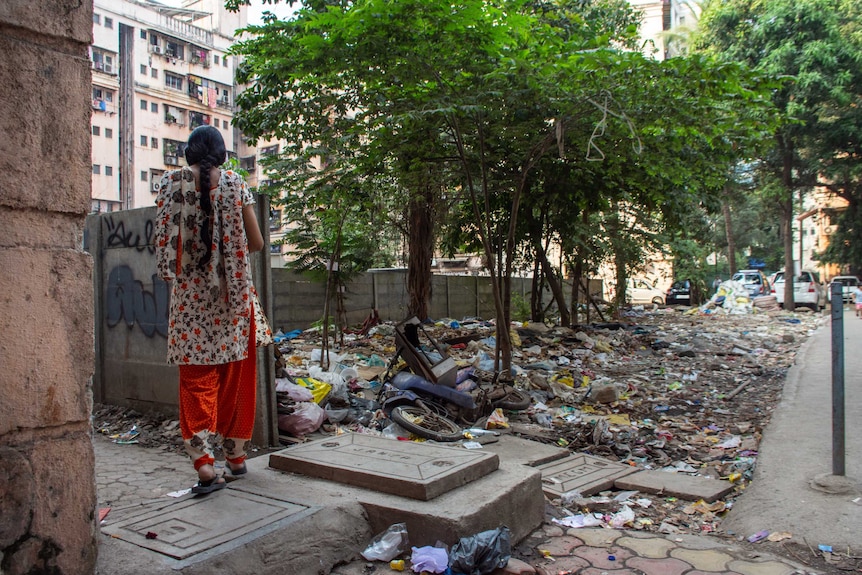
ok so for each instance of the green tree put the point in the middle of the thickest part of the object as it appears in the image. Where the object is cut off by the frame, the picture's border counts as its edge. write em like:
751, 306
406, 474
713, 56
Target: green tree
424, 98
816, 42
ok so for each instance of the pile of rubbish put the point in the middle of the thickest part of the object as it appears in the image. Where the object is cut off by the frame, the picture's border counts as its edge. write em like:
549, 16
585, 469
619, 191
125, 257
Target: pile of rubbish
670, 391
478, 554
662, 389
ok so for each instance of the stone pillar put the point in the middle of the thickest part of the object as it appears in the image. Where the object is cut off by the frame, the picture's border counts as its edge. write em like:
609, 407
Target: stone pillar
47, 484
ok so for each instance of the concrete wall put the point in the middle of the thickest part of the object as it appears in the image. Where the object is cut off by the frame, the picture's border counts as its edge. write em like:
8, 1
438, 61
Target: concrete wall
131, 322
47, 483
131, 307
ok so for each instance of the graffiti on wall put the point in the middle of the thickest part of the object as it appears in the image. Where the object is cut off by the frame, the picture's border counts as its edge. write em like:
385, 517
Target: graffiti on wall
119, 237
126, 299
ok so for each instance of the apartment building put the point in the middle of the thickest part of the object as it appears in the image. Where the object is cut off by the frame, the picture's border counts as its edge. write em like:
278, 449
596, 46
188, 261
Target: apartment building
158, 72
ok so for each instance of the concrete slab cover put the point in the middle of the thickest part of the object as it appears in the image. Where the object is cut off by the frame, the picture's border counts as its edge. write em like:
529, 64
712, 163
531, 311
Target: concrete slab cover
195, 524
585, 473
416, 470
690, 488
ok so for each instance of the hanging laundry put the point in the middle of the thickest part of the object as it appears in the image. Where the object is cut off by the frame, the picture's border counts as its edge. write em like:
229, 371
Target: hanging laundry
212, 95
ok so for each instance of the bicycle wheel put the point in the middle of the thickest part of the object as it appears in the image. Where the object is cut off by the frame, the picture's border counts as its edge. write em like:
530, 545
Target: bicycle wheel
426, 424
514, 400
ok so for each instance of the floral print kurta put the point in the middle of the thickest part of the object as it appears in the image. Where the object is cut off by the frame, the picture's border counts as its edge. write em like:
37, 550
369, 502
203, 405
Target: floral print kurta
210, 309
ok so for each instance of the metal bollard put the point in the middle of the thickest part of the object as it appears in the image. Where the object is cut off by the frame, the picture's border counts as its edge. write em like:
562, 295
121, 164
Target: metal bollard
837, 298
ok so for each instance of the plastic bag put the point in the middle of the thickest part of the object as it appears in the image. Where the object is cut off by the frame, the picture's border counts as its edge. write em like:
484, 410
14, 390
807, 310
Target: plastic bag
306, 418
482, 553
429, 559
387, 545
295, 392
319, 389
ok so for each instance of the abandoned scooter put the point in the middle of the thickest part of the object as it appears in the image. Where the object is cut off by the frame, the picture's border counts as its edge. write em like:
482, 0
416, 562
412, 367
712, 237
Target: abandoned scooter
426, 401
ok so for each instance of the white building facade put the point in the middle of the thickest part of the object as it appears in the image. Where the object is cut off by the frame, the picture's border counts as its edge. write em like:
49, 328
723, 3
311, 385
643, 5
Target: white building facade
158, 72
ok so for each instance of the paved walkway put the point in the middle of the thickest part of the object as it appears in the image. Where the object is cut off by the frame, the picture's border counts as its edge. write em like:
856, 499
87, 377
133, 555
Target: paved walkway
129, 477
796, 452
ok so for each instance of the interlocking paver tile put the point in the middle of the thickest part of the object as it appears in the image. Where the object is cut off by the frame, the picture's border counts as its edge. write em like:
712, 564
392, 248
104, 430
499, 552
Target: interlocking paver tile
596, 537
566, 564
597, 571
704, 559
764, 568
668, 566
698, 572
654, 547
601, 556
561, 545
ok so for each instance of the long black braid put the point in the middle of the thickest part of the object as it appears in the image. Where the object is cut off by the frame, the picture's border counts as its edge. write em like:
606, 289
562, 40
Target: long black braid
206, 149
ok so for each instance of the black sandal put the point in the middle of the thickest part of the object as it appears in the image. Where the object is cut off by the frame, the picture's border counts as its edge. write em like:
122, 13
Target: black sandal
209, 486
239, 471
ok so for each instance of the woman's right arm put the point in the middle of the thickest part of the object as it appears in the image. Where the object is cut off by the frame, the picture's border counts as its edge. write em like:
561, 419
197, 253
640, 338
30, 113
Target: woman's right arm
252, 228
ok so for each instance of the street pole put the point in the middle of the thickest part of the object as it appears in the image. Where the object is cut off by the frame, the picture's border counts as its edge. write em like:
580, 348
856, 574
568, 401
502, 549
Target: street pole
837, 298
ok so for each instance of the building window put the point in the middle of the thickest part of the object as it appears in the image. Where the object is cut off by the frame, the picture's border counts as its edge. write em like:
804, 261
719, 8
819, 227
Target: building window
103, 60
216, 121
269, 150
198, 119
109, 171
215, 59
97, 169
109, 133
274, 220
154, 73
144, 69
143, 34
95, 130
154, 143
154, 108
173, 81
224, 62
143, 104
96, 18
174, 50
143, 140
275, 249
143, 175
247, 163
109, 22
103, 94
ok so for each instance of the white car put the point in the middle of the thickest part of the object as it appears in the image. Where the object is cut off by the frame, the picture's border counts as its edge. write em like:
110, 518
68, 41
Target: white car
807, 290
640, 291
848, 286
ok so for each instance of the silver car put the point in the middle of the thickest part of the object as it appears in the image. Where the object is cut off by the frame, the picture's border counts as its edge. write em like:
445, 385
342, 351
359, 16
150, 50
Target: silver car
754, 281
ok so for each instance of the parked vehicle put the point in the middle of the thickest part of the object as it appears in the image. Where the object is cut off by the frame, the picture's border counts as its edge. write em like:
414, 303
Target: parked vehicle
807, 290
848, 286
640, 291
680, 293
754, 281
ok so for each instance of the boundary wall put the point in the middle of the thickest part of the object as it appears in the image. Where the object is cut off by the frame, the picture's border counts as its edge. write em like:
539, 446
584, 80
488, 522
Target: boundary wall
131, 311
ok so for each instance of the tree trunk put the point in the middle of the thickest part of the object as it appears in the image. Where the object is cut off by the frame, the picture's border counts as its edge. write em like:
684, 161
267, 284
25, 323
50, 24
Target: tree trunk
577, 274
728, 232
536, 293
787, 222
421, 252
553, 282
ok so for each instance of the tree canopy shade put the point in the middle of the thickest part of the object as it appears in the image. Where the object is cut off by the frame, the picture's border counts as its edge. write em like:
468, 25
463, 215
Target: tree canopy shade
817, 44
478, 110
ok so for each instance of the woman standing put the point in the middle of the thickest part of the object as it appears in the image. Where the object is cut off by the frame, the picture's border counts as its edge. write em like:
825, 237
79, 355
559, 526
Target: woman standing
205, 228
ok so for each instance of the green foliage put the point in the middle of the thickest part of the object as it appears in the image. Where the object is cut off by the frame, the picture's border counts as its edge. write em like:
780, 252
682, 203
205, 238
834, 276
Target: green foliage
816, 44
